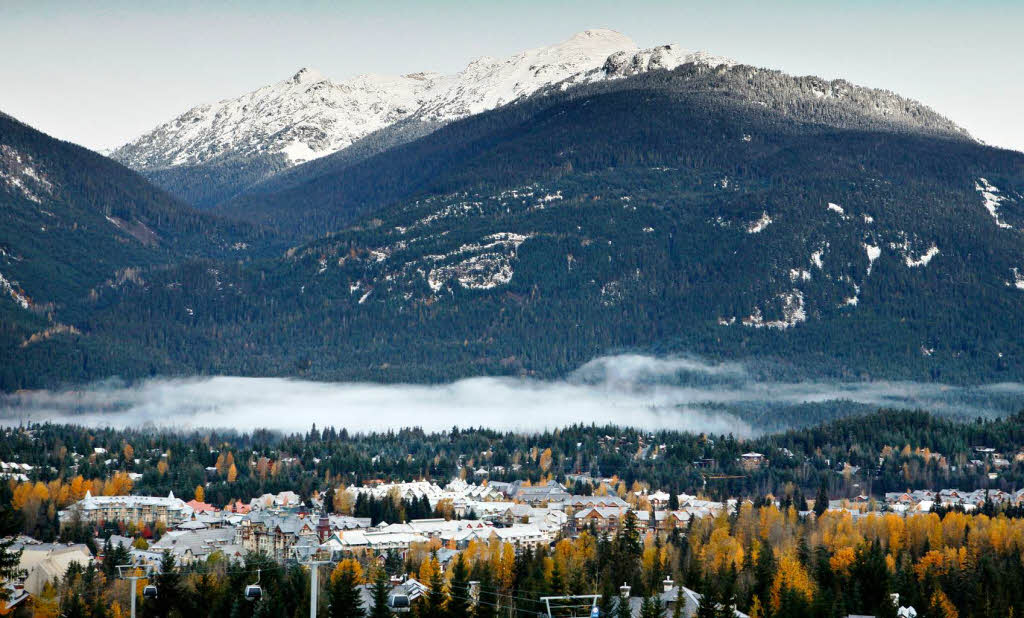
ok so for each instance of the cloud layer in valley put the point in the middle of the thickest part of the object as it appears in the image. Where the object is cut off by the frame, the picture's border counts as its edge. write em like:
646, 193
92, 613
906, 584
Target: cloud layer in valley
641, 391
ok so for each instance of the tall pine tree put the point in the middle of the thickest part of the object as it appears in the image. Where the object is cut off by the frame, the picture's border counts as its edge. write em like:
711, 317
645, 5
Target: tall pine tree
458, 602
345, 600
381, 589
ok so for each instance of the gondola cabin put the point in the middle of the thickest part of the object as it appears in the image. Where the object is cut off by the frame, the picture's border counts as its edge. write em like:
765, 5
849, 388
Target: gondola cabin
398, 601
253, 592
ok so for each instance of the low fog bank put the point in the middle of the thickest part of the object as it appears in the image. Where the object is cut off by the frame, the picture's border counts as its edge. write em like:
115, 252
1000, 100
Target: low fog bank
641, 391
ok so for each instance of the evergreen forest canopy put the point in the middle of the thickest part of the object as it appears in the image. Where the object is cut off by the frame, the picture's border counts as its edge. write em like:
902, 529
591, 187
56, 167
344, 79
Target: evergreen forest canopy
889, 450
684, 211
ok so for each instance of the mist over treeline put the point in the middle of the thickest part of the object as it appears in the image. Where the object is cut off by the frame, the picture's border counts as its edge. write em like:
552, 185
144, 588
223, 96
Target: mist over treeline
676, 393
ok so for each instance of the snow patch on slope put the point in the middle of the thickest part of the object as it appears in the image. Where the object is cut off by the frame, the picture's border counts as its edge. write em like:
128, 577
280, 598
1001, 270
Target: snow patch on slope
10, 288
489, 268
923, 259
19, 172
799, 274
874, 252
992, 199
791, 305
1018, 279
816, 257
851, 301
758, 226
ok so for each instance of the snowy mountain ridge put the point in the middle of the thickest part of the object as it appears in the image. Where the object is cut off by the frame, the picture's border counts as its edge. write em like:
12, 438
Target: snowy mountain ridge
309, 116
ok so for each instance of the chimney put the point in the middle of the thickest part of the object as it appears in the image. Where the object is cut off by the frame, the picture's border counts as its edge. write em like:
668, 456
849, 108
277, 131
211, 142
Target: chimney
669, 584
624, 590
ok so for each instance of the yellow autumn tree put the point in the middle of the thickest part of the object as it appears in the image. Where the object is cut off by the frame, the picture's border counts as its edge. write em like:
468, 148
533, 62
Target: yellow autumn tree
348, 565
791, 575
22, 495
942, 606
77, 488
428, 568
344, 501
118, 485
200, 494
756, 611
545, 460
842, 560
506, 565
446, 508
46, 604
722, 551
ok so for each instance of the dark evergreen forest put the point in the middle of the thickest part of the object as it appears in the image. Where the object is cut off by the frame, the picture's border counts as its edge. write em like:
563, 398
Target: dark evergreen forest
667, 213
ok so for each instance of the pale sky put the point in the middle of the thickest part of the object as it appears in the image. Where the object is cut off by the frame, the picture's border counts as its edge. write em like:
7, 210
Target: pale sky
102, 72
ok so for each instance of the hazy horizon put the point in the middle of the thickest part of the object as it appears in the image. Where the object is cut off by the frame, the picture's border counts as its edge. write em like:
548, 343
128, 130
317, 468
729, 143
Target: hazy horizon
104, 73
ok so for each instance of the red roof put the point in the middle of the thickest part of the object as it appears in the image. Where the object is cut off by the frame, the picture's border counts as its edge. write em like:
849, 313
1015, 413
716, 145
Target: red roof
201, 507
237, 507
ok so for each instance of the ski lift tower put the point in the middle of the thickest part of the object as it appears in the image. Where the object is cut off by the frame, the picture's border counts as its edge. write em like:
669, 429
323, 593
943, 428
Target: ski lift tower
131, 572
576, 606
310, 559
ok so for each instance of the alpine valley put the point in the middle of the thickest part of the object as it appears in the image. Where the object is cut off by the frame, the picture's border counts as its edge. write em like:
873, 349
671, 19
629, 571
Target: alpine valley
520, 217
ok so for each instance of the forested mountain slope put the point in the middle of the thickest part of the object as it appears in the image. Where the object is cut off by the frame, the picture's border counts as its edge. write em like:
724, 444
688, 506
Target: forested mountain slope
821, 239
320, 196
73, 221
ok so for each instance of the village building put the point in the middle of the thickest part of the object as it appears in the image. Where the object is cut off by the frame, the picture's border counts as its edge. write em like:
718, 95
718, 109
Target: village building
97, 510
191, 546
750, 461
42, 562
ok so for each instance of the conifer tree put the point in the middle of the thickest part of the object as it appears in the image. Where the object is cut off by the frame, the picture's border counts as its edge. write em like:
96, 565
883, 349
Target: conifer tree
344, 594
764, 573
708, 607
606, 604
821, 500
487, 600
381, 589
557, 584
652, 607
458, 602
622, 609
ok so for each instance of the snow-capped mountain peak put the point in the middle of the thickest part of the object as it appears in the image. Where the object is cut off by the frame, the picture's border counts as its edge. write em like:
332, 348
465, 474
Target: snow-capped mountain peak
306, 75
663, 57
488, 82
309, 116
